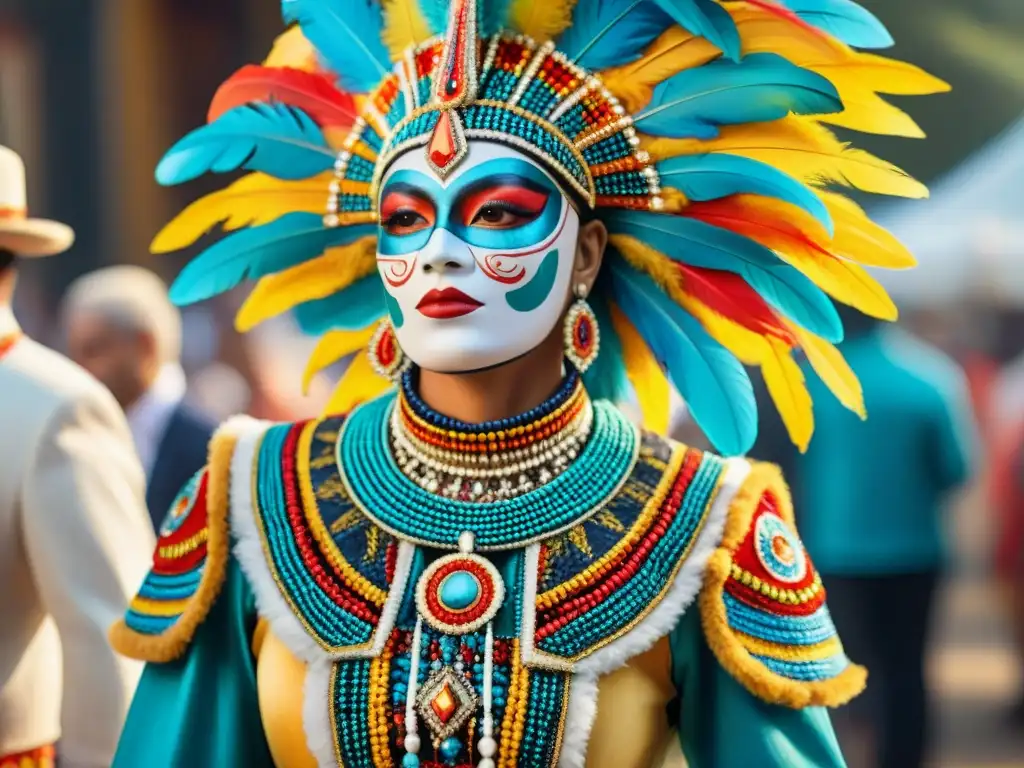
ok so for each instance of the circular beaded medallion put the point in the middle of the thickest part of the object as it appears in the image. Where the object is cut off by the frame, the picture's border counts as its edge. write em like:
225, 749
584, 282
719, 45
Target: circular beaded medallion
779, 549
459, 593
181, 506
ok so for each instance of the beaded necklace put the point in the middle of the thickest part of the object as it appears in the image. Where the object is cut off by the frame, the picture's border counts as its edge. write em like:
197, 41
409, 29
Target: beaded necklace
490, 461
399, 501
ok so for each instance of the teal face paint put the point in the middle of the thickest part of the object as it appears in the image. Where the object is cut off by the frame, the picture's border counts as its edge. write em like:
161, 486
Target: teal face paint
534, 293
477, 269
394, 310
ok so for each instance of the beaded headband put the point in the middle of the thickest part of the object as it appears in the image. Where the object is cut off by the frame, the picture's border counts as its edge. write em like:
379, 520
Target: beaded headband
696, 130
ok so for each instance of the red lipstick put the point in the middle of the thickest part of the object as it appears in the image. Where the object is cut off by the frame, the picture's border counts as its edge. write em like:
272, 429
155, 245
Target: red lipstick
446, 303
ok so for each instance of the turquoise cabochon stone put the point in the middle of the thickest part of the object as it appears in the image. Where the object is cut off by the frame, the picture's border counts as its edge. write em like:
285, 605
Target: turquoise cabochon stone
459, 591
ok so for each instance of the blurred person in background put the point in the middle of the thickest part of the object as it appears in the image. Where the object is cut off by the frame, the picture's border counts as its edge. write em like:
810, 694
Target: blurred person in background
121, 327
878, 489
74, 535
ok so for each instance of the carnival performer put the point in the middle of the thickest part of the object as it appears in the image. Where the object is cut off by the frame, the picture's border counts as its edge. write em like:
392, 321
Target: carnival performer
516, 212
74, 534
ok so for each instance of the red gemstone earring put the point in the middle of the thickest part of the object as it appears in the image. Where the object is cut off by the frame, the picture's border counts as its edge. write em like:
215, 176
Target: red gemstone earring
582, 335
386, 357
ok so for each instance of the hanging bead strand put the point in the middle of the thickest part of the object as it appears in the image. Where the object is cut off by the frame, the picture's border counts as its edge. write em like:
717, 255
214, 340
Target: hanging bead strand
412, 738
487, 746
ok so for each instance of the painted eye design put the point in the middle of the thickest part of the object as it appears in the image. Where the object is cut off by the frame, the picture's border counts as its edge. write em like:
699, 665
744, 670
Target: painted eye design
404, 214
502, 206
405, 222
502, 215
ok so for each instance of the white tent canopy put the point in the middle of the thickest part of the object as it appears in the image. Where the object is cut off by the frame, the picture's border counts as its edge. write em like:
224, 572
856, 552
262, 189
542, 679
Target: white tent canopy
969, 236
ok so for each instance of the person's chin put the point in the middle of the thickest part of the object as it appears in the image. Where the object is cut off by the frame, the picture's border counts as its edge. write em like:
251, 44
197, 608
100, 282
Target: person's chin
458, 358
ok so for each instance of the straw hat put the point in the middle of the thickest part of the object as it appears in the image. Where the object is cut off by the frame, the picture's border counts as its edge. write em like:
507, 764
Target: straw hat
18, 233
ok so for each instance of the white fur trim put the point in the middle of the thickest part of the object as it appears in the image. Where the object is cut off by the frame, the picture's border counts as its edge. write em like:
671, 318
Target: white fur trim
661, 620
270, 603
579, 719
396, 593
316, 713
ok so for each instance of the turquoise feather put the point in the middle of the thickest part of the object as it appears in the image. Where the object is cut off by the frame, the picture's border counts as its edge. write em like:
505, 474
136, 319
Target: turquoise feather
272, 138
707, 19
714, 176
843, 19
258, 251
606, 377
492, 15
609, 33
699, 244
347, 35
713, 383
760, 88
355, 307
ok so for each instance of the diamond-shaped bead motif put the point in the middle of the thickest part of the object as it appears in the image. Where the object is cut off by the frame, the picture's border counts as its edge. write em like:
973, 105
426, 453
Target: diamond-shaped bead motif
445, 702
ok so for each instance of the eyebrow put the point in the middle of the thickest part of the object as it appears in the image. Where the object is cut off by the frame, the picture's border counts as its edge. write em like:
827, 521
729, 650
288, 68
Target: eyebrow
405, 188
503, 180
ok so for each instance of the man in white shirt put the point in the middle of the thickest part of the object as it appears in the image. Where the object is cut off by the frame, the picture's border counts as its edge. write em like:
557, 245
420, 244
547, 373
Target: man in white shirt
122, 328
75, 542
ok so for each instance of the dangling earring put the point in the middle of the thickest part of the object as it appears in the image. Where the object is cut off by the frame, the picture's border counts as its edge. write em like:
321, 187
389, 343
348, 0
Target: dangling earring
581, 332
386, 357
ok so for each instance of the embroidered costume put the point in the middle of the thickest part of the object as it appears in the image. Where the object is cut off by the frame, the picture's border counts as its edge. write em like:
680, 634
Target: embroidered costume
387, 586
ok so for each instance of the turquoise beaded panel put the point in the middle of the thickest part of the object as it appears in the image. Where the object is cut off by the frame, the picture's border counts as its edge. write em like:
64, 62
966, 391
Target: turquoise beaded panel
498, 85
372, 139
397, 111
615, 147
645, 587
330, 622
362, 544
544, 721
380, 489
359, 169
539, 98
627, 183
350, 710
572, 123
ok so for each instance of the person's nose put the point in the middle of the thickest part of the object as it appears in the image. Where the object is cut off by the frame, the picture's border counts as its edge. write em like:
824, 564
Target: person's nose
445, 254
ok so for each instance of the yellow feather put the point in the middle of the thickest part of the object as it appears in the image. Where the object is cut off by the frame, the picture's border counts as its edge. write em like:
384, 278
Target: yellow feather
832, 369
404, 26
868, 112
333, 346
317, 278
788, 389
801, 148
763, 32
542, 19
644, 373
645, 258
749, 347
292, 49
359, 384
673, 52
859, 239
253, 199
844, 281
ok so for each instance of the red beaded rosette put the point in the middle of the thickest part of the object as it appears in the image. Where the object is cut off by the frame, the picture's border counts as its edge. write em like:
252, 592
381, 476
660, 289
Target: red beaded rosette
459, 593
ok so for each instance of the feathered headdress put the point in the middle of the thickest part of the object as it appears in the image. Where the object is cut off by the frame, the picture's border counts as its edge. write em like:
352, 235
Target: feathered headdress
695, 129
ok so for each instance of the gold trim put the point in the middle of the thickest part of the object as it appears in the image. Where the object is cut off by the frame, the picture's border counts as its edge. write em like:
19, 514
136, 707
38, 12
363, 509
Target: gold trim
172, 642
352, 577
728, 645
653, 504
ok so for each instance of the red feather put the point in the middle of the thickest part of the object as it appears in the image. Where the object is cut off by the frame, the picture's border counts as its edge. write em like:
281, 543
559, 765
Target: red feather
729, 295
785, 13
770, 222
312, 92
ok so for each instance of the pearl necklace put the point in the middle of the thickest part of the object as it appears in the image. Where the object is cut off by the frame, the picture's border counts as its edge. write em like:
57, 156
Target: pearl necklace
479, 463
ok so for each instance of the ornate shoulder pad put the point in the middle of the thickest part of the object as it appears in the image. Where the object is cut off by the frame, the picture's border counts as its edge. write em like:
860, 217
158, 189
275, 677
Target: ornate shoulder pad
763, 605
189, 566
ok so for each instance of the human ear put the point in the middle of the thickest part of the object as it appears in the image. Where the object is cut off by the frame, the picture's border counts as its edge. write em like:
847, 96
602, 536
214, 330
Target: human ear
590, 246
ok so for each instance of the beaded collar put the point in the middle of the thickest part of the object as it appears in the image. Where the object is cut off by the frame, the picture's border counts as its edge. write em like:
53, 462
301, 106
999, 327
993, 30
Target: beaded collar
399, 505
494, 460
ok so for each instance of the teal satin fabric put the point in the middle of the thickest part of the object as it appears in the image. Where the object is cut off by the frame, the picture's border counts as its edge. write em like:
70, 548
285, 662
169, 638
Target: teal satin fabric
201, 711
721, 725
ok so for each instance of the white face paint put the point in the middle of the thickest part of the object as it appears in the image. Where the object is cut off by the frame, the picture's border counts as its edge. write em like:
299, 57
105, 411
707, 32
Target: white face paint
476, 267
